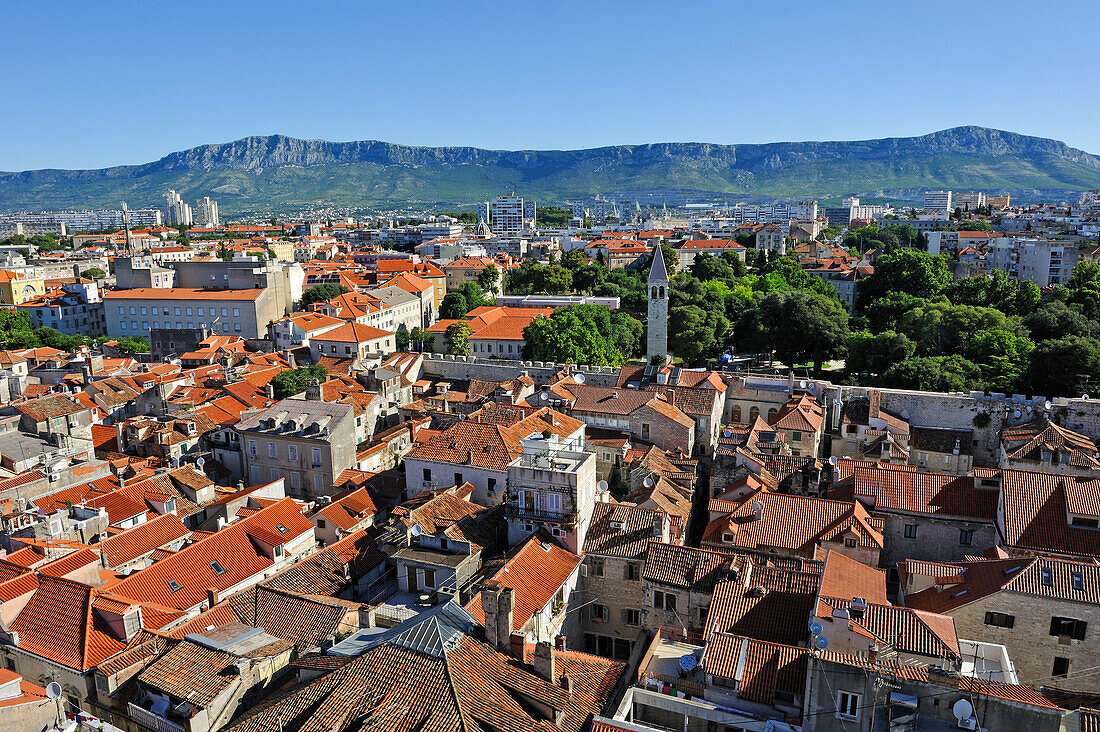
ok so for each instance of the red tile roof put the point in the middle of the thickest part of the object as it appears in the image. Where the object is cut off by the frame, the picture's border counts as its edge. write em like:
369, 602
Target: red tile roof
535, 573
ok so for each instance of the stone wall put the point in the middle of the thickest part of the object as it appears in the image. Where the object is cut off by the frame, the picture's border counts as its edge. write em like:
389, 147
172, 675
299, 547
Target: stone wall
471, 367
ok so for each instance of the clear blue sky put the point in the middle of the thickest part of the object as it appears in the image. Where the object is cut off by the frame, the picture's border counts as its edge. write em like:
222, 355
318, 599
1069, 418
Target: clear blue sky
91, 84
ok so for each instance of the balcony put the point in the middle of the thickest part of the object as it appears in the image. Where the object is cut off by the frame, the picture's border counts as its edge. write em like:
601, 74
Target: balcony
660, 667
536, 514
144, 717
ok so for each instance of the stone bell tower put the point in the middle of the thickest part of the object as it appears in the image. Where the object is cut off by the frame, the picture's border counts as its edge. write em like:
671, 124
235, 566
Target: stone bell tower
657, 323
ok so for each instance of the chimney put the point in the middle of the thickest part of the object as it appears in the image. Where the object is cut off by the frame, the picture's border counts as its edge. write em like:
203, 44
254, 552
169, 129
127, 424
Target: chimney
489, 608
270, 389
874, 403
544, 661
516, 642
566, 683
790, 383
313, 391
757, 510
661, 527
506, 604
559, 642
212, 596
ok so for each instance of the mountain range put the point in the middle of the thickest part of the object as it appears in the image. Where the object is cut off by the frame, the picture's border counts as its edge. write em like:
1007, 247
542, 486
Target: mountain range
277, 173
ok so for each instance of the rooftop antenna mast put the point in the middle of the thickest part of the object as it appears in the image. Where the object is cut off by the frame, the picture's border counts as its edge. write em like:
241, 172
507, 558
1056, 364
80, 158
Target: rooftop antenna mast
126, 227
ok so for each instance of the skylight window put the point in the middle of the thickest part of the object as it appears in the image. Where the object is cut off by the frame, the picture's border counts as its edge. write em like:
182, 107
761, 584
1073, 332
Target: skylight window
1047, 577
960, 593
282, 529
174, 586
218, 569
1078, 581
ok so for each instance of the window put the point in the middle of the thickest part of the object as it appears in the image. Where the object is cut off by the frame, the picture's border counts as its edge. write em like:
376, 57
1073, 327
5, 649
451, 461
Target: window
272, 450
252, 449
1047, 577
255, 474
632, 572
851, 543
177, 311
319, 483
796, 436
966, 537
664, 601
910, 531
632, 616
200, 312
282, 529
1078, 581
316, 457
294, 480
429, 577
847, 705
645, 430
492, 484
1000, 620
274, 473
218, 568
1068, 627
1061, 667
292, 452
597, 568
458, 479
188, 311
174, 586
599, 612
428, 474
236, 312
553, 502
225, 313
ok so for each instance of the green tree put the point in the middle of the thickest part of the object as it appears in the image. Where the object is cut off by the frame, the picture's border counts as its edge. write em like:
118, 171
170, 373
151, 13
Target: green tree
799, 326
1064, 367
933, 373
458, 338
133, 344
553, 216
419, 337
454, 306
905, 271
556, 280
1055, 320
568, 336
875, 354
1002, 357
489, 278
402, 338
1083, 289
320, 293
93, 273
294, 381
696, 332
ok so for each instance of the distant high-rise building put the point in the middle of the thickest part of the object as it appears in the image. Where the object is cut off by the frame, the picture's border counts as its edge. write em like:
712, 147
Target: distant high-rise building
970, 200
206, 212
483, 213
175, 210
508, 215
938, 201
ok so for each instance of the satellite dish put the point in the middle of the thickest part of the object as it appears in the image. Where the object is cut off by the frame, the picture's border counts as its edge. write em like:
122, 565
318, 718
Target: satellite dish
815, 627
1047, 405
648, 482
802, 384
602, 486
200, 462
832, 460
822, 642
1029, 409
1016, 414
962, 710
53, 690
579, 378
727, 432
1085, 397
544, 396
416, 530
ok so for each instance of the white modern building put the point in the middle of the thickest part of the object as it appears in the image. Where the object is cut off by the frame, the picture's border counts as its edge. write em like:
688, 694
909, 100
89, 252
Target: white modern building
175, 210
940, 201
508, 215
206, 212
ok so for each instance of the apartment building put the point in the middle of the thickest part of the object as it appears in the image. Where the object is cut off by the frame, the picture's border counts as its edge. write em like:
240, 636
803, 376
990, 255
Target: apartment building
76, 310
938, 201
239, 312
351, 340
1042, 261
175, 210
306, 442
510, 215
206, 212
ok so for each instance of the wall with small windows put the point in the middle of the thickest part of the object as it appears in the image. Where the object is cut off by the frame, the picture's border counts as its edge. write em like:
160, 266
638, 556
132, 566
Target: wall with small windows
912, 536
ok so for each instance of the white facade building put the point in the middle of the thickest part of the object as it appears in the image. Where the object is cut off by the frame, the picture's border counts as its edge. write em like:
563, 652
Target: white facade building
508, 215
940, 201
175, 210
206, 212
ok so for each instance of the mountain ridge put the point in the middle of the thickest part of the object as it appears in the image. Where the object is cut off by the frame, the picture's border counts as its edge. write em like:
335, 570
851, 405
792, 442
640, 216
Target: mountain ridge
278, 171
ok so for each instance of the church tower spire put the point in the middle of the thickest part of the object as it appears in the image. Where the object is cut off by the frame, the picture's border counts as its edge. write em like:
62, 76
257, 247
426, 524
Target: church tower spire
657, 323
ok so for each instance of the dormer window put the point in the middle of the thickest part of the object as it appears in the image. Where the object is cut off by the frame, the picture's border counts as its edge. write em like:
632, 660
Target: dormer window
1047, 577
1078, 581
727, 538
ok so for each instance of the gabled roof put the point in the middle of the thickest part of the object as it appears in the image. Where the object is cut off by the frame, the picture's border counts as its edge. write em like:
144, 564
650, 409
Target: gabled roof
234, 548
904, 629
697, 570
889, 488
535, 572
621, 530
143, 539
349, 510
772, 605
1030, 440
